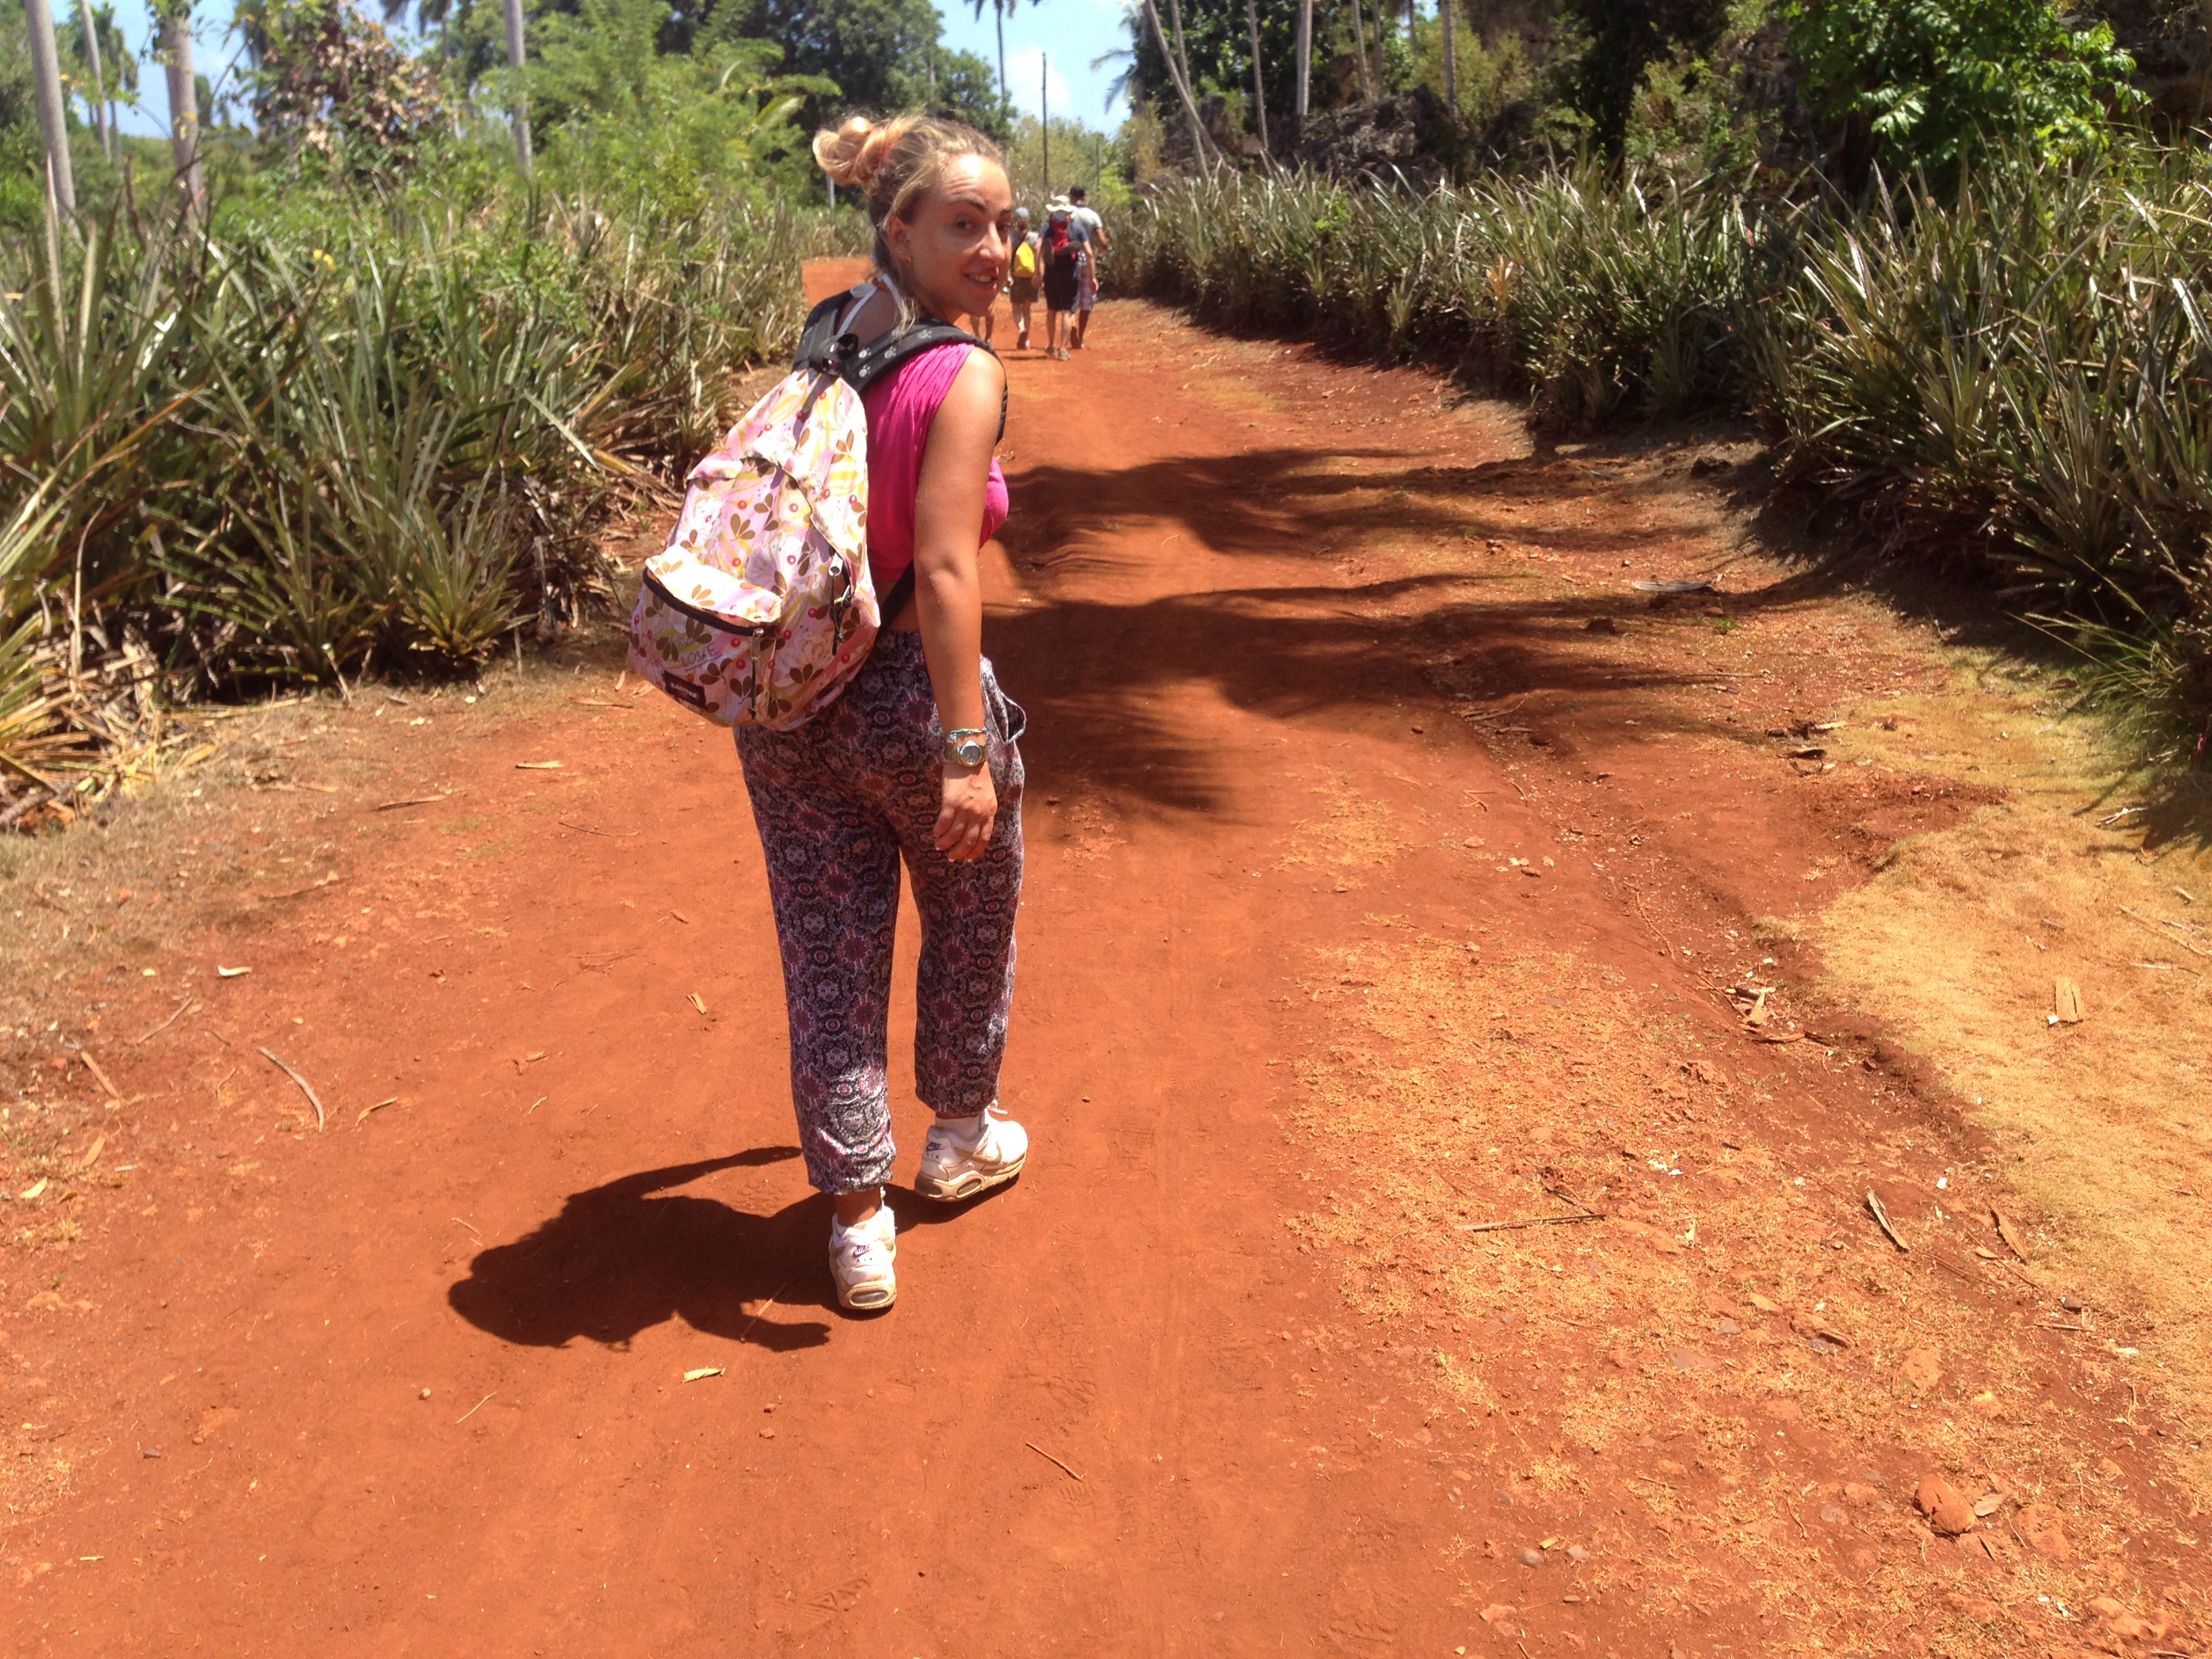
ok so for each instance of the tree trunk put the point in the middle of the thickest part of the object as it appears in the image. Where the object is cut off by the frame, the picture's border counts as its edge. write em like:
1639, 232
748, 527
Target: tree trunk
1359, 50
1183, 53
515, 57
1005, 92
1182, 86
1044, 117
1259, 85
97, 102
1451, 57
53, 114
1305, 60
184, 106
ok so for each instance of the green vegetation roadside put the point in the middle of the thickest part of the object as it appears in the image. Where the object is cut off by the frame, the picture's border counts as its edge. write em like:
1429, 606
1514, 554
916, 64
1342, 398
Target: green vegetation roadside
2004, 382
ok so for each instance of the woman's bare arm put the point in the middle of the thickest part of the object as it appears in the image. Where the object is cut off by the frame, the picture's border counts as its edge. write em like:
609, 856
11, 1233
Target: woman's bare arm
948, 590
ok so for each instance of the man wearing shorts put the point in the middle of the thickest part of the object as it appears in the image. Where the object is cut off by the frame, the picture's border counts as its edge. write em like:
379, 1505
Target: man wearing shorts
1022, 286
1089, 229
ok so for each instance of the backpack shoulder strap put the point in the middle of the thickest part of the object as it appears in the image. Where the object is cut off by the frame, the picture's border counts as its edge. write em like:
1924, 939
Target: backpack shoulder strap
817, 340
886, 352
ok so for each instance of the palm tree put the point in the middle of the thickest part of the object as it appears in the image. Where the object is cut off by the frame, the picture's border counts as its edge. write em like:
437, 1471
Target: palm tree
174, 20
54, 119
1258, 86
1178, 73
999, 10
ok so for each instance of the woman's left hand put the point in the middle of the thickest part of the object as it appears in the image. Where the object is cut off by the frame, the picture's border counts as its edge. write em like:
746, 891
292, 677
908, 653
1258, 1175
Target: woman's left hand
969, 808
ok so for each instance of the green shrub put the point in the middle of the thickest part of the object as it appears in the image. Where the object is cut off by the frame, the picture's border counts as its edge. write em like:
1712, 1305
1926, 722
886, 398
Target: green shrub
346, 431
1939, 81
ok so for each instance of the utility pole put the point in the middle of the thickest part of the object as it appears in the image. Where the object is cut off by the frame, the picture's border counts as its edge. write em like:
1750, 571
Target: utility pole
1044, 115
1305, 60
99, 98
514, 61
1258, 86
53, 114
184, 104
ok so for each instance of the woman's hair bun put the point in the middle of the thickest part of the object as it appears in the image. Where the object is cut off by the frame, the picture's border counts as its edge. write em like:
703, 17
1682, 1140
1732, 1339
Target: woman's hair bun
854, 152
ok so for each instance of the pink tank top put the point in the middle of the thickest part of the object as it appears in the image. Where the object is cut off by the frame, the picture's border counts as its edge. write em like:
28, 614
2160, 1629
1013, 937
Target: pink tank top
900, 409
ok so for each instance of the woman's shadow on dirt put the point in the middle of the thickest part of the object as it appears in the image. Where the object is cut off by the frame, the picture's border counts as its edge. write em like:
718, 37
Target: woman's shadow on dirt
632, 1254
620, 1258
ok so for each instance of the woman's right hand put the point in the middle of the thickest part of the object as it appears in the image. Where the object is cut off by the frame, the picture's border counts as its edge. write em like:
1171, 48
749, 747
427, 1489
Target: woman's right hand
969, 807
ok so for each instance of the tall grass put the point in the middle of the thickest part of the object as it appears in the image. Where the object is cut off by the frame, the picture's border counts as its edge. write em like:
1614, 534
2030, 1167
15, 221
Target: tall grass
2015, 380
355, 437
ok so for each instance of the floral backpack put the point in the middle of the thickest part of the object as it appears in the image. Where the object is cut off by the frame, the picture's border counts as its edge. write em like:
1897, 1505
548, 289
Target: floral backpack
760, 609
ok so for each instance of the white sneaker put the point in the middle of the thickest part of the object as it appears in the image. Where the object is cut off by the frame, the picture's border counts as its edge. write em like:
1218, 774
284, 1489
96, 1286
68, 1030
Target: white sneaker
967, 1156
861, 1260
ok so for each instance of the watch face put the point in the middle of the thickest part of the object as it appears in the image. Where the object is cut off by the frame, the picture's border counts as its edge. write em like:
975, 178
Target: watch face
971, 751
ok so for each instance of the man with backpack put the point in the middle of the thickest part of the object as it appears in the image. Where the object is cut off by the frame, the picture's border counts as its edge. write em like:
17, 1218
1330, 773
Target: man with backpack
1022, 271
1062, 247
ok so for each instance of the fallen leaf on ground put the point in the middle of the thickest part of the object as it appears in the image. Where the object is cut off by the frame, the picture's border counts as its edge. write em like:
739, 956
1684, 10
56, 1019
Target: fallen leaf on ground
231, 972
1763, 1304
703, 1370
538, 766
92, 1157
695, 1003
33, 1190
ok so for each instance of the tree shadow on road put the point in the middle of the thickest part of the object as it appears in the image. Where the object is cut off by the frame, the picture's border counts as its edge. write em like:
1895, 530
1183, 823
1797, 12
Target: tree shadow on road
1103, 678
632, 1254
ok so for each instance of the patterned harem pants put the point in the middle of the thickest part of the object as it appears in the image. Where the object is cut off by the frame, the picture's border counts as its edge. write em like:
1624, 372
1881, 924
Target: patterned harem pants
838, 801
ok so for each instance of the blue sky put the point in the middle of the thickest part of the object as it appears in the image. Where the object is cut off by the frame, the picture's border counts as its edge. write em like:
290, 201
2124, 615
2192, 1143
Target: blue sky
1059, 37
1069, 34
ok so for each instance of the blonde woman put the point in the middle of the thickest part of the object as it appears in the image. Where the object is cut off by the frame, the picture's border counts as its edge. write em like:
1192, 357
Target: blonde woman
917, 760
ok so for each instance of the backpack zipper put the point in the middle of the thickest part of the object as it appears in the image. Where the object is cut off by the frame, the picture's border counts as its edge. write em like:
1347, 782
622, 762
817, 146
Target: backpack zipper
697, 615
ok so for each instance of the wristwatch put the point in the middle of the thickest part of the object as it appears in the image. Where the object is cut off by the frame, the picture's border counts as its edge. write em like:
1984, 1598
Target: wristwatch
967, 746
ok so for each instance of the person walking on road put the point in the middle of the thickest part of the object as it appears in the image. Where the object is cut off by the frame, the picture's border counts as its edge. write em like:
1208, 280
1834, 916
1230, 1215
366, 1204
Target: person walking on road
1022, 276
918, 760
1060, 249
1086, 224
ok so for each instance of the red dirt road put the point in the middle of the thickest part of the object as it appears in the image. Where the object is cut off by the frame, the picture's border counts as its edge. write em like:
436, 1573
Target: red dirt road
418, 1384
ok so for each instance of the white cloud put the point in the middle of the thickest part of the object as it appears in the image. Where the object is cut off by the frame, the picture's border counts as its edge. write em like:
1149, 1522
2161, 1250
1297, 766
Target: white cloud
1023, 64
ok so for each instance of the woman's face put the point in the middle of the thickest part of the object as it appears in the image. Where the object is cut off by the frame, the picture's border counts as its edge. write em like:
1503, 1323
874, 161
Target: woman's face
952, 253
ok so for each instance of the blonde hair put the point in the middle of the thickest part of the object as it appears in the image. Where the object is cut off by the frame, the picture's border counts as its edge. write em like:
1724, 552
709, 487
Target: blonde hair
897, 164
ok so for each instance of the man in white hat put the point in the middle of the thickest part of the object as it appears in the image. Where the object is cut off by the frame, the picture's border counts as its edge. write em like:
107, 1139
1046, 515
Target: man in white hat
1060, 249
